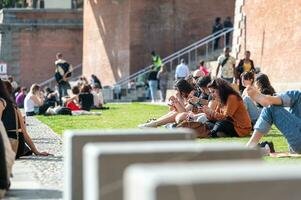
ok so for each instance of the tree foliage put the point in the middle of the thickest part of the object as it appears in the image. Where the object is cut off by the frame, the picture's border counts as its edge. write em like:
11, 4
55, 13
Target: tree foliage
10, 3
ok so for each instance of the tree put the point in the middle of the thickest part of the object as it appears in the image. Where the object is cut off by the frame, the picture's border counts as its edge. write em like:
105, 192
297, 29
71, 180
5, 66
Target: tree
10, 3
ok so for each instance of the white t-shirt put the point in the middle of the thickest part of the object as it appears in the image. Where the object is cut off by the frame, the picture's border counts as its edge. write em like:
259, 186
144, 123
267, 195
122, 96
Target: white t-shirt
98, 98
182, 71
227, 69
29, 105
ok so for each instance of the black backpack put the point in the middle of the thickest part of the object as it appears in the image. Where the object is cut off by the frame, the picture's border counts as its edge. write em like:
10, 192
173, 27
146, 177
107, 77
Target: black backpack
64, 111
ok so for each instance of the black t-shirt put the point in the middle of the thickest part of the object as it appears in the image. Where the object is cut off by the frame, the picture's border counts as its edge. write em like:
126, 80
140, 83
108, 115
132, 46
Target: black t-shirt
86, 101
153, 75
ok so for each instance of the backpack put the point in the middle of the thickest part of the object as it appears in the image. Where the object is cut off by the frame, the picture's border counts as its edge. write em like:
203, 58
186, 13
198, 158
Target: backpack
65, 66
64, 111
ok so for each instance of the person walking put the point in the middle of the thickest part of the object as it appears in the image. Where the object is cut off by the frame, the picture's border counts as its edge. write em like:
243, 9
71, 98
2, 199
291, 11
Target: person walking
163, 79
157, 62
62, 74
227, 64
227, 25
153, 84
217, 26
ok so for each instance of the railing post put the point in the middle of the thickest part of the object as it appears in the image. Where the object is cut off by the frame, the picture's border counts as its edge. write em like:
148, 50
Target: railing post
189, 58
196, 55
224, 40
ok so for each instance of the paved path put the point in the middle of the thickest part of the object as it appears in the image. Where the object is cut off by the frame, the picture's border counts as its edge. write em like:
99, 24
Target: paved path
39, 177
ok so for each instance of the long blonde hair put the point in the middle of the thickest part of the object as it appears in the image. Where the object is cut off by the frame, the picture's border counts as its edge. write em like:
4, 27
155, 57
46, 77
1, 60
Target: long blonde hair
34, 89
163, 69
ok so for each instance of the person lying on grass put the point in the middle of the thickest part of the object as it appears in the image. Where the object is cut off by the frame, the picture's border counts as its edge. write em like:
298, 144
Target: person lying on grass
287, 121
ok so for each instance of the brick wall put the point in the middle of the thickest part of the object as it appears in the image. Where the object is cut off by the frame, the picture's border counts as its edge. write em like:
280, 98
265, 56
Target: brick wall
31, 38
273, 35
119, 35
106, 39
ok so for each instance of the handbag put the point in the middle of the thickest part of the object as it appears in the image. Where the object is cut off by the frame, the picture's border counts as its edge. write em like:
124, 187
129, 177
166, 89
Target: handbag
202, 129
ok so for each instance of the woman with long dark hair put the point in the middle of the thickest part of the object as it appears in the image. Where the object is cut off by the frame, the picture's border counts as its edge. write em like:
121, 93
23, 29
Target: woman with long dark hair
13, 122
230, 118
177, 103
263, 84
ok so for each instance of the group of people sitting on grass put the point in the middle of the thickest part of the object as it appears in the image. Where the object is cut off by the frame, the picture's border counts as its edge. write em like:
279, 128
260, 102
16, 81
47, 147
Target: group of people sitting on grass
227, 112
82, 98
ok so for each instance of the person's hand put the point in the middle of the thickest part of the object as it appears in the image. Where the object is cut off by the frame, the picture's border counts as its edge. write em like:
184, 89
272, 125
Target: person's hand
252, 92
172, 99
193, 99
190, 116
208, 111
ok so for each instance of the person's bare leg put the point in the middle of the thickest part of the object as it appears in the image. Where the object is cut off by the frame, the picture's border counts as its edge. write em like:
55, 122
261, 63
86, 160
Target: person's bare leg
165, 119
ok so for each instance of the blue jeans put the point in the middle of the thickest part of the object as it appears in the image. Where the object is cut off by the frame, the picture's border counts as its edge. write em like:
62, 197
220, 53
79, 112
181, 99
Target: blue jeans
288, 124
153, 86
253, 110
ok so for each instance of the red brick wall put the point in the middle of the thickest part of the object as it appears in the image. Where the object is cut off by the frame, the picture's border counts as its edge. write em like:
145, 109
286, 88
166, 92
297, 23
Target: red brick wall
39, 47
167, 26
31, 39
119, 35
273, 35
106, 39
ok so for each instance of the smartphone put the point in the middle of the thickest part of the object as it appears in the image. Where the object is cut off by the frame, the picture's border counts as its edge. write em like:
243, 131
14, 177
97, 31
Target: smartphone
197, 105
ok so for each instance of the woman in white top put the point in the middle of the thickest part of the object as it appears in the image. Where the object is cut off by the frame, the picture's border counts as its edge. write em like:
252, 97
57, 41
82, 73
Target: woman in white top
33, 100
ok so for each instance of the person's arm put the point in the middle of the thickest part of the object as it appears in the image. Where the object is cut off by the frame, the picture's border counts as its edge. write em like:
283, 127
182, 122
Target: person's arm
234, 73
217, 69
229, 110
264, 100
27, 137
2, 107
255, 138
176, 73
37, 100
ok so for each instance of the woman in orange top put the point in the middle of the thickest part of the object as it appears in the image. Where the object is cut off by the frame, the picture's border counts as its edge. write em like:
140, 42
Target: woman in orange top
231, 117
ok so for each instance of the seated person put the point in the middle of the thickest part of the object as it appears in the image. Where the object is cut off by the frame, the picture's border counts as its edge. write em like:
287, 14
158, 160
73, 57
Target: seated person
230, 117
72, 102
33, 100
178, 104
97, 97
287, 121
14, 123
21, 97
85, 98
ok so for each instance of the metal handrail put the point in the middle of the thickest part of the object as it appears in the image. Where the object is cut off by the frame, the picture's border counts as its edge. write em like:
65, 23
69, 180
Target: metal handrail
178, 54
218, 33
44, 83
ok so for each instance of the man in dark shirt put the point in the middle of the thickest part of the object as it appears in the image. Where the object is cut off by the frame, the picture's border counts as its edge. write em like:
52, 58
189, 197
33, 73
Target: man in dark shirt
228, 24
217, 27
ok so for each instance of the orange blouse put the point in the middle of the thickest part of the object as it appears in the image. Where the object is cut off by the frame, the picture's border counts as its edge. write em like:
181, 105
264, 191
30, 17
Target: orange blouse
236, 110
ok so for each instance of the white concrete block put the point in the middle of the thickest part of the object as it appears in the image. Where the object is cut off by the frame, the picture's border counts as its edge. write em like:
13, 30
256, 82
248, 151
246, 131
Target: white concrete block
75, 140
104, 164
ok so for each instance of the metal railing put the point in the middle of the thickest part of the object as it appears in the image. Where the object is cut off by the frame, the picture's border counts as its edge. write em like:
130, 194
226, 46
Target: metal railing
203, 48
51, 82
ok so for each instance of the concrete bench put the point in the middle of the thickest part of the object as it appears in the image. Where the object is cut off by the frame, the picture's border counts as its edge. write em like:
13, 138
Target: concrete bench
104, 164
215, 180
75, 140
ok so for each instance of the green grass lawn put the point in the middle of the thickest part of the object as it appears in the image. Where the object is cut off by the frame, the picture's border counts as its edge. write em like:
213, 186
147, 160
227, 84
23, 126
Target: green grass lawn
130, 115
